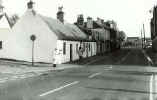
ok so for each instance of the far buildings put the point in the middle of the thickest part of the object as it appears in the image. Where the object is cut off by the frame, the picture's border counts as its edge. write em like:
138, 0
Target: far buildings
133, 42
137, 42
104, 33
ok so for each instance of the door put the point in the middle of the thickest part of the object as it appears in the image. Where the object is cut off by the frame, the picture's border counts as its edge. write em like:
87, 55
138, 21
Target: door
71, 52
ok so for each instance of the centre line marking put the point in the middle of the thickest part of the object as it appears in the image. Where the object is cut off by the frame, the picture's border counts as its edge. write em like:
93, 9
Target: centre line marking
57, 89
108, 68
93, 75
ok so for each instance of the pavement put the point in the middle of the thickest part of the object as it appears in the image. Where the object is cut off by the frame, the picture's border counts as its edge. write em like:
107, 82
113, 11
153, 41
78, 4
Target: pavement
12, 72
152, 55
122, 75
16, 70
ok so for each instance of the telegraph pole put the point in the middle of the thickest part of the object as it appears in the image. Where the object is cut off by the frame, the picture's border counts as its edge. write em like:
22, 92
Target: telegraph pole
144, 36
141, 39
155, 12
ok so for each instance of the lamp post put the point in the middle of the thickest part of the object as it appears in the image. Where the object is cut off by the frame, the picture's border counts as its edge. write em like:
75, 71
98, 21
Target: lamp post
33, 38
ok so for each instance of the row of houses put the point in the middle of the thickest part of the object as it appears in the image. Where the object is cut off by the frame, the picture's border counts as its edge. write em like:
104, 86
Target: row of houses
106, 34
38, 38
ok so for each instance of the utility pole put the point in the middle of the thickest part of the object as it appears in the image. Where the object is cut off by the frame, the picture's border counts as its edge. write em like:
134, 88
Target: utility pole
141, 39
144, 36
155, 12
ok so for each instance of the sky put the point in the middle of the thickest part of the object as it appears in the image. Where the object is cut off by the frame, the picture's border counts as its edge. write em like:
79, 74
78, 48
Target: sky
130, 15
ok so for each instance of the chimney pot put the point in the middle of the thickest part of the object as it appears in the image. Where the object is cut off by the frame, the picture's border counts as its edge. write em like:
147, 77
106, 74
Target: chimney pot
30, 4
60, 14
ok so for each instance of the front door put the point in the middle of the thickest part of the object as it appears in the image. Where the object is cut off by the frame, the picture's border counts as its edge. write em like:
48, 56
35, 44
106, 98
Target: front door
71, 53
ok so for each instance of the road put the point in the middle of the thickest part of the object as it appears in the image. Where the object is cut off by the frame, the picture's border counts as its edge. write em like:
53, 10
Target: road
123, 75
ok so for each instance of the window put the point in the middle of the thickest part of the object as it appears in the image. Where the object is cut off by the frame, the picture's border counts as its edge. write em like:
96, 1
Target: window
64, 48
0, 44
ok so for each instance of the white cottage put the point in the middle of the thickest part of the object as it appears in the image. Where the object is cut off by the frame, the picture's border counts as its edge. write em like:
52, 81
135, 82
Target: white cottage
5, 29
55, 42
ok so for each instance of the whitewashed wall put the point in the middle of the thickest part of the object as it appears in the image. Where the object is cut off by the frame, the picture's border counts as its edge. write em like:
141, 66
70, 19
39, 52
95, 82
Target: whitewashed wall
63, 58
4, 35
19, 45
66, 57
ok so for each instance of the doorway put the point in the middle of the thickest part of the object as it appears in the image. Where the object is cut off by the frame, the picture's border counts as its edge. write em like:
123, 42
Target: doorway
71, 52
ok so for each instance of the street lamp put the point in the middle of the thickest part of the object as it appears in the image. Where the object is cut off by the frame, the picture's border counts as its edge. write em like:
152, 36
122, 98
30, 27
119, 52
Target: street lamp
33, 38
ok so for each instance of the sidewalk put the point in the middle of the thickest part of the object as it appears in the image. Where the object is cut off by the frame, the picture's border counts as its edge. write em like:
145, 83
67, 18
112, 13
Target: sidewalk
152, 55
12, 71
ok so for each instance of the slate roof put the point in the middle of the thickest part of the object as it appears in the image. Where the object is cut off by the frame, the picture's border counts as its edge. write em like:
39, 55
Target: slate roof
64, 31
76, 31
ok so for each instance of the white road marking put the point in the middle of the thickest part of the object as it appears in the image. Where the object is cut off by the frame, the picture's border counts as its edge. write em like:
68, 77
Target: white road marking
151, 88
2, 81
15, 77
148, 58
57, 89
6, 78
93, 75
108, 68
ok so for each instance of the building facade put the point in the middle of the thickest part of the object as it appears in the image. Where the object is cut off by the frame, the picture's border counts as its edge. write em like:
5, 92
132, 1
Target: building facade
55, 41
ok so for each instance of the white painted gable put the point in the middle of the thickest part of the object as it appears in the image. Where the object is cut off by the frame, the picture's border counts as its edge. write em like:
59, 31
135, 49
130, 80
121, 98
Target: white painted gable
4, 23
47, 31
19, 46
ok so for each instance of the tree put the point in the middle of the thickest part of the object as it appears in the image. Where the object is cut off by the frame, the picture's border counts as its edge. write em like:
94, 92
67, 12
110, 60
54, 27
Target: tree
122, 36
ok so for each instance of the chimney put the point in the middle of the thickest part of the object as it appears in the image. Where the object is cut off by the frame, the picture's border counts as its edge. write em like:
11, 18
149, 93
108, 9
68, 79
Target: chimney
30, 4
102, 21
89, 23
60, 14
80, 20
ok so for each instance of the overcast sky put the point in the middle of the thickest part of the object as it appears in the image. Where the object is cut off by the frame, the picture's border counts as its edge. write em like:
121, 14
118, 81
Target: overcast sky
129, 14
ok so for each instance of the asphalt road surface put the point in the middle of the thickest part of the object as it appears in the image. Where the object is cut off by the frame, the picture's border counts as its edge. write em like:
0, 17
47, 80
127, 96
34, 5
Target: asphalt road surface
122, 75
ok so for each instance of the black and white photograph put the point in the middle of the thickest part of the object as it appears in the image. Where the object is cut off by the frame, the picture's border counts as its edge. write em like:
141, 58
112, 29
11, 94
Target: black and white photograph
78, 49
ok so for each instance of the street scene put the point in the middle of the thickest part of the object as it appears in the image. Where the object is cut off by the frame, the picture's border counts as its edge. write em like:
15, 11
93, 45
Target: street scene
70, 50
129, 75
